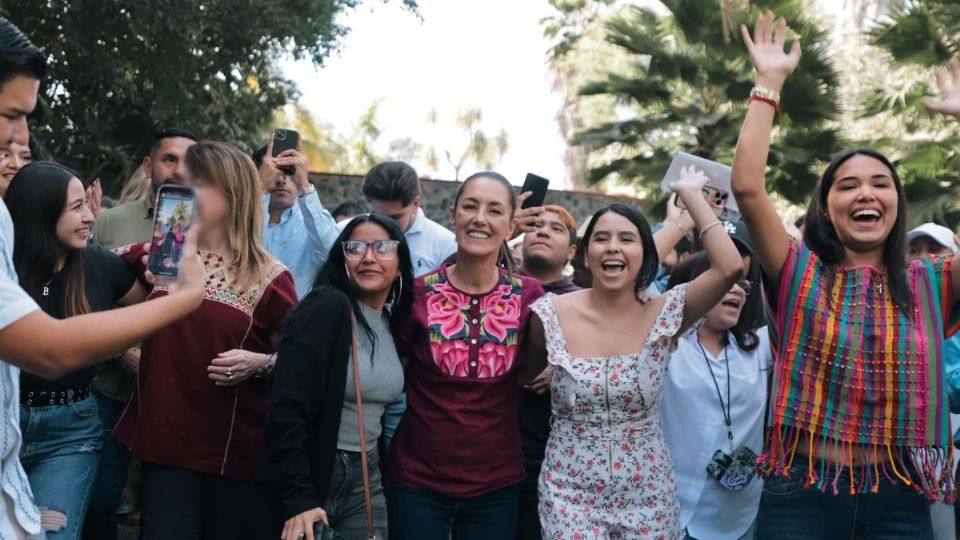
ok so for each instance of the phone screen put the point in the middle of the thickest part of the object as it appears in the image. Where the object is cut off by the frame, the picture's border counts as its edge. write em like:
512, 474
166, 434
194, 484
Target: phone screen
538, 185
172, 219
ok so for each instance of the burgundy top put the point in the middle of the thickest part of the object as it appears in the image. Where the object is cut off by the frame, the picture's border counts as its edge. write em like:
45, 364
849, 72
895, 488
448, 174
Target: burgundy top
460, 437
177, 416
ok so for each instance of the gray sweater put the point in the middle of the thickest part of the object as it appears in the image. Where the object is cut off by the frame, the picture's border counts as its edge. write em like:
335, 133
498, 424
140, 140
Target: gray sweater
381, 382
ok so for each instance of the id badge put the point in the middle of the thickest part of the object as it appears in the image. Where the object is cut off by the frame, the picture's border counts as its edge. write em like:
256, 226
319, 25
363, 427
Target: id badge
735, 472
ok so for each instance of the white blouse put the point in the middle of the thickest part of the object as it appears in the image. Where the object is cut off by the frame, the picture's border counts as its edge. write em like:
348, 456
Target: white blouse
694, 427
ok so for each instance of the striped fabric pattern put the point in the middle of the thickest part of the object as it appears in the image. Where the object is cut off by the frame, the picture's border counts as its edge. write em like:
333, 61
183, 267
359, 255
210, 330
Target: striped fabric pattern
855, 376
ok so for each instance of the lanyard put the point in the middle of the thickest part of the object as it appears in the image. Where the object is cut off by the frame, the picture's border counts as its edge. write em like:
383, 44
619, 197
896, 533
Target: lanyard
724, 409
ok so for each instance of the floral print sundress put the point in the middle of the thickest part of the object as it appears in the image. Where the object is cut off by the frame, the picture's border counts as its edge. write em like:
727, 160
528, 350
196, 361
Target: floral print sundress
607, 472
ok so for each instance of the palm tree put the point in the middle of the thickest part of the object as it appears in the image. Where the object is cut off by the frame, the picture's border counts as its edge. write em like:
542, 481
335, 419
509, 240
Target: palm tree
920, 35
687, 90
483, 150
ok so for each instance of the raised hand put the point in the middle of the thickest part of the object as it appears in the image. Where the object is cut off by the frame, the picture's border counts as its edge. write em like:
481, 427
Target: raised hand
690, 180
767, 53
678, 216
949, 102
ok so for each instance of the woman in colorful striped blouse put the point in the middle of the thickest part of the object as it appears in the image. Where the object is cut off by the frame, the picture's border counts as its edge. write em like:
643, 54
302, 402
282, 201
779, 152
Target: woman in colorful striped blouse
858, 408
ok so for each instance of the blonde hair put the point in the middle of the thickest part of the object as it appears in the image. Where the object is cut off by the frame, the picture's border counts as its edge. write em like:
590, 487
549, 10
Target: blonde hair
234, 172
137, 187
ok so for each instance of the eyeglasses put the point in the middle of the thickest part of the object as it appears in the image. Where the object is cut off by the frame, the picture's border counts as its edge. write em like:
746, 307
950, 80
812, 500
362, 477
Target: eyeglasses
382, 249
746, 285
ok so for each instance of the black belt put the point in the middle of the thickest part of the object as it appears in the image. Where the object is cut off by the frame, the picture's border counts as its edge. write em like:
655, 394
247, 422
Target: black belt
42, 398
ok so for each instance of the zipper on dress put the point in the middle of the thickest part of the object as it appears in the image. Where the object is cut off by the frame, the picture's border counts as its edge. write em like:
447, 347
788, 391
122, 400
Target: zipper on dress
606, 395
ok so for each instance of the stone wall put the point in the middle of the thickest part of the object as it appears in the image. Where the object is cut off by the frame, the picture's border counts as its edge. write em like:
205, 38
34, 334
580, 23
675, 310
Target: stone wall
437, 196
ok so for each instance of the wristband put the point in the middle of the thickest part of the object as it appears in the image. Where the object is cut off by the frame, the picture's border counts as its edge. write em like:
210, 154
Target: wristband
307, 190
766, 93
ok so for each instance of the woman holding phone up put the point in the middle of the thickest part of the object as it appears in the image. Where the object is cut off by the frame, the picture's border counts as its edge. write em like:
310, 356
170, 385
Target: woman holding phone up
196, 416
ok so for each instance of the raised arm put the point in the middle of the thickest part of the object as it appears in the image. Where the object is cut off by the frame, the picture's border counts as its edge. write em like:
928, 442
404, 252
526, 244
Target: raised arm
766, 50
48, 347
726, 266
677, 225
949, 105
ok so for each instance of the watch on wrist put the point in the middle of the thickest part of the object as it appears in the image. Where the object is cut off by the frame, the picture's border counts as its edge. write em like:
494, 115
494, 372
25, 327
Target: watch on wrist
307, 190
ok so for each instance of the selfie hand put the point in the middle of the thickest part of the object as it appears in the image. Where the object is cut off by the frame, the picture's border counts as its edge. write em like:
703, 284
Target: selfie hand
527, 219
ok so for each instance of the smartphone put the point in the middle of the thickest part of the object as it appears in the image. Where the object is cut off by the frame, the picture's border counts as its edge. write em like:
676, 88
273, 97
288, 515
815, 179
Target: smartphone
715, 197
283, 140
172, 219
538, 185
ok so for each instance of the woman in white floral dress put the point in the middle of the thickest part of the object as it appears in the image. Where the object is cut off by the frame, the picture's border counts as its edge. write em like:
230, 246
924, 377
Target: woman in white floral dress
607, 471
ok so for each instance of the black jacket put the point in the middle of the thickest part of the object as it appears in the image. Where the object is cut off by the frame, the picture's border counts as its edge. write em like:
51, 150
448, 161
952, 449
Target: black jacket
303, 422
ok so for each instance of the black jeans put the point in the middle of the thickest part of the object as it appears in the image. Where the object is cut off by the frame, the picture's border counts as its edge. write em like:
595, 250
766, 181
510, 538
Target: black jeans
190, 505
528, 522
788, 511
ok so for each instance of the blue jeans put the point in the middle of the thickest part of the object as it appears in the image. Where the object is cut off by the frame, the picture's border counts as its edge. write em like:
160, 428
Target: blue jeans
421, 515
788, 511
107, 494
61, 449
345, 504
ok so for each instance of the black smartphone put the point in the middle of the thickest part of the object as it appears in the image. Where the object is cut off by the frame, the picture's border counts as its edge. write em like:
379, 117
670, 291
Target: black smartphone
283, 140
538, 185
172, 219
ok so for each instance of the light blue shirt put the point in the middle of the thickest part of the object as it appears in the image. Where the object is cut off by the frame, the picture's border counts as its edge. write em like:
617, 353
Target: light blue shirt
430, 244
302, 240
15, 304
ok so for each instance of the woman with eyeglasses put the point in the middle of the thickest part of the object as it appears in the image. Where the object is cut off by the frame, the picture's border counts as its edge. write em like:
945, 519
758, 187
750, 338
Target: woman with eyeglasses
311, 458
713, 406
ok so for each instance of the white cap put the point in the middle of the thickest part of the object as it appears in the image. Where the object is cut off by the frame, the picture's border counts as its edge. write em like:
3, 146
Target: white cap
938, 233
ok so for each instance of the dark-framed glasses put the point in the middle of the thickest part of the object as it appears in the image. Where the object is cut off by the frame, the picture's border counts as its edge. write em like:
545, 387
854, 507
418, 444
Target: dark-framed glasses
382, 249
746, 285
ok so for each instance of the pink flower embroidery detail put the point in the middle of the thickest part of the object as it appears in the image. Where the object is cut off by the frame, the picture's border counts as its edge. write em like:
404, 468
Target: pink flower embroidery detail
501, 312
495, 360
452, 357
445, 309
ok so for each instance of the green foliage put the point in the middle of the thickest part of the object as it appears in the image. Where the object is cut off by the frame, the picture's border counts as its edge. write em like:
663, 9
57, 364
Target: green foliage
686, 90
920, 35
122, 70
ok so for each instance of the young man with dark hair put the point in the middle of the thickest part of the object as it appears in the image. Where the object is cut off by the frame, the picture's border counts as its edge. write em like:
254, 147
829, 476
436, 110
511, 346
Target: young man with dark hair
297, 229
393, 189
22, 66
346, 211
127, 224
546, 252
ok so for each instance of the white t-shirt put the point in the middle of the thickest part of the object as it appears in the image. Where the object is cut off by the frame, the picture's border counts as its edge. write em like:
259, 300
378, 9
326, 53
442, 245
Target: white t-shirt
694, 427
15, 304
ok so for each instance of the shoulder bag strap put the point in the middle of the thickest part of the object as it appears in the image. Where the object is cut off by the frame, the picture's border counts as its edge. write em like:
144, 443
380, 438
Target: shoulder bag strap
363, 437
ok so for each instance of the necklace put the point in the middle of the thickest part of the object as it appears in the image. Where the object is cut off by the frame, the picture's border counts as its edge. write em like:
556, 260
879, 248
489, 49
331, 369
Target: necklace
724, 408
46, 287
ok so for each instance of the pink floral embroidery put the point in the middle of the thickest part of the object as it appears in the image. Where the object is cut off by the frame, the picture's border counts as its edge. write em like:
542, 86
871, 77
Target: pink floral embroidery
445, 307
494, 360
501, 310
452, 357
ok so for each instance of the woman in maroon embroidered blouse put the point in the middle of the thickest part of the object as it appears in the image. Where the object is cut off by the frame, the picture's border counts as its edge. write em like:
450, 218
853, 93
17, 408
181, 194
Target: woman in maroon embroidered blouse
456, 458
196, 416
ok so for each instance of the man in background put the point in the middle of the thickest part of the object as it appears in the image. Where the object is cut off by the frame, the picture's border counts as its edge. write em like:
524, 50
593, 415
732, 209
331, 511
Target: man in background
297, 229
546, 252
393, 189
130, 223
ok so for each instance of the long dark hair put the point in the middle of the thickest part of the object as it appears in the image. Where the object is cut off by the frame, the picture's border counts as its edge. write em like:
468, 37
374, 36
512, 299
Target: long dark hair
651, 261
821, 237
505, 258
753, 316
334, 274
36, 198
